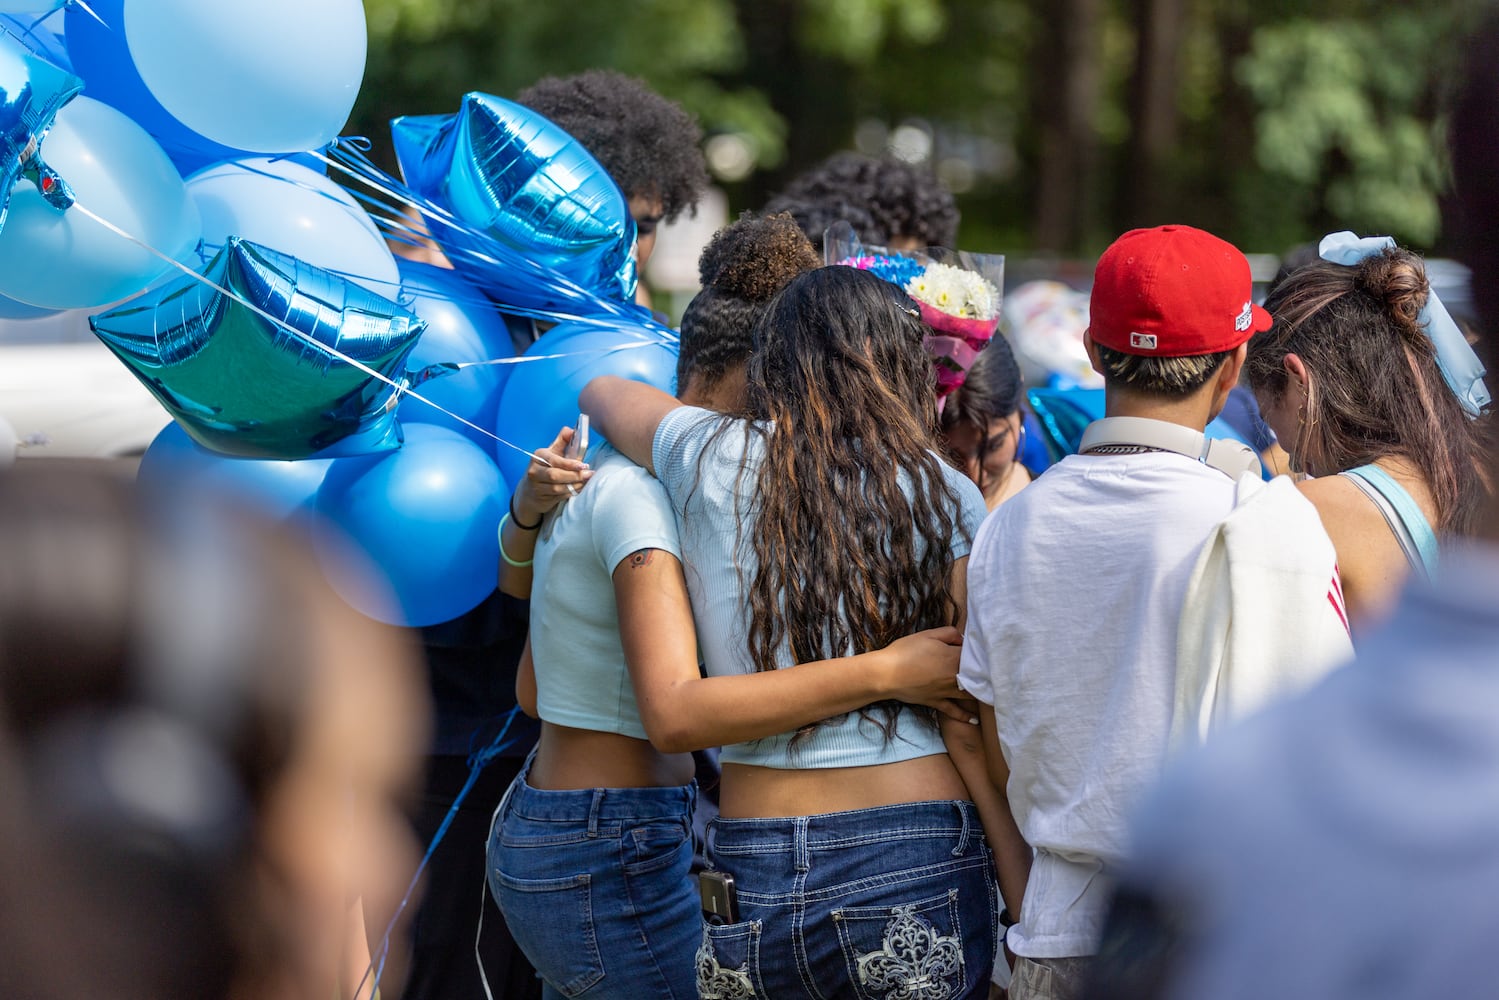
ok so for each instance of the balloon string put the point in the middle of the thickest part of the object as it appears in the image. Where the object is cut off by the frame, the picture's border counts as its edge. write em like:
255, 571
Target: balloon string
350, 160
401, 390
477, 762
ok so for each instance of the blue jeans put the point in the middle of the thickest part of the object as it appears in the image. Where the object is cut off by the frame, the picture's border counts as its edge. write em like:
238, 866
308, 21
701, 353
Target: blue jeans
596, 890
896, 901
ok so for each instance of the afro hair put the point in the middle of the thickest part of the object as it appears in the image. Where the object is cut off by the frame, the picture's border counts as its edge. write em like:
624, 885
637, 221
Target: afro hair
743, 267
648, 144
883, 200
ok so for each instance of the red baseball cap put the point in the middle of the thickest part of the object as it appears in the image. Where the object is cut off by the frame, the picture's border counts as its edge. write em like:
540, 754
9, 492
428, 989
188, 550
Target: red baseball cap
1173, 292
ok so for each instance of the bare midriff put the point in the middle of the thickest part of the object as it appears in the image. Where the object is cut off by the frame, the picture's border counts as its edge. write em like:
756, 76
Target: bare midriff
749, 791
570, 759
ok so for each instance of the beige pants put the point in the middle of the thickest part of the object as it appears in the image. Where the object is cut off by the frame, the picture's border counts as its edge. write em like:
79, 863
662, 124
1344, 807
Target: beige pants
1049, 978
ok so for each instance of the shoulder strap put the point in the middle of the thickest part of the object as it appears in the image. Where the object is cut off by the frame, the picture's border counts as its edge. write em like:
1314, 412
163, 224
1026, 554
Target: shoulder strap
1401, 512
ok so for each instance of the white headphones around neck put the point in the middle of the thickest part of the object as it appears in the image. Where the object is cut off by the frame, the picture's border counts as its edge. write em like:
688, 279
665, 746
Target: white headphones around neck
1232, 458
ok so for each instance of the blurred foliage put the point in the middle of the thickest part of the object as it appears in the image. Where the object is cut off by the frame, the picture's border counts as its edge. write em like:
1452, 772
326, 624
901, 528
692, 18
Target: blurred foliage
1291, 118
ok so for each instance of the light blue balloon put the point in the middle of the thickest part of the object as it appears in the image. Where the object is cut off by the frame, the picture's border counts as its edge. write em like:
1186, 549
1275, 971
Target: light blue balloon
462, 326
66, 260
32, 92
295, 211
38, 37
273, 76
283, 491
518, 179
11, 309
428, 515
542, 396
243, 385
96, 44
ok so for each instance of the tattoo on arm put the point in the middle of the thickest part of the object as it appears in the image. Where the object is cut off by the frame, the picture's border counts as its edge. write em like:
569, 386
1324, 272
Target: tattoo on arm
641, 558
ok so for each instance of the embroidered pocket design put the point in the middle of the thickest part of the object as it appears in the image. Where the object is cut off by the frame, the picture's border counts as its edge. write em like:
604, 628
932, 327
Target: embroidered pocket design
915, 960
714, 982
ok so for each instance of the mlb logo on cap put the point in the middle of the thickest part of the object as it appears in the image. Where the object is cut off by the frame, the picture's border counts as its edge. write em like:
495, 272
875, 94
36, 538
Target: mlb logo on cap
1173, 291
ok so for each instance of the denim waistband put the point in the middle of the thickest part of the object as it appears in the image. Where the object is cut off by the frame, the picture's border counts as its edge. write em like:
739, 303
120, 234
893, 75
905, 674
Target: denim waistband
955, 817
597, 804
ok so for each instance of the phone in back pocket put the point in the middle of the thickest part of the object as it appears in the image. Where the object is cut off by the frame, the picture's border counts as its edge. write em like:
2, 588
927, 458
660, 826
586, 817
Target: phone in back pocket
720, 900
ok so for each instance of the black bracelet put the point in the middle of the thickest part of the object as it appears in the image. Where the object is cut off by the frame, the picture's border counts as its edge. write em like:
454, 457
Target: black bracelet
1005, 920
515, 518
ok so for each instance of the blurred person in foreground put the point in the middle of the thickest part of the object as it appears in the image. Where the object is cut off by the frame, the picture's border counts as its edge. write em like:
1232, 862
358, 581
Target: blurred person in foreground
1346, 844
204, 752
889, 203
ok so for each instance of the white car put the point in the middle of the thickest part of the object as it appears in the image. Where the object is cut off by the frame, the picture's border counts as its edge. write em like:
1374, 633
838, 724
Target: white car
64, 393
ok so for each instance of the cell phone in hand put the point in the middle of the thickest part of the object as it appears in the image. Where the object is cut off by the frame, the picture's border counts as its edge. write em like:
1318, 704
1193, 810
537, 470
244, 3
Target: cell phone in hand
720, 899
579, 446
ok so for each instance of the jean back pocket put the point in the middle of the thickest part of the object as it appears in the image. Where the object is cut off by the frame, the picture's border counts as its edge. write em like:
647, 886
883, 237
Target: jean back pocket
911, 950
552, 921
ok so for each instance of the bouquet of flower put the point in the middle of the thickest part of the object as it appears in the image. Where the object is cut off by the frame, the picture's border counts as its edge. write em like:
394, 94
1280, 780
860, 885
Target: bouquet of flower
958, 293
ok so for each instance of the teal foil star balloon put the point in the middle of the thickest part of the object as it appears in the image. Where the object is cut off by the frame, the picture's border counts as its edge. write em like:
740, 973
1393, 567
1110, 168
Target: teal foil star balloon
242, 384
515, 178
32, 90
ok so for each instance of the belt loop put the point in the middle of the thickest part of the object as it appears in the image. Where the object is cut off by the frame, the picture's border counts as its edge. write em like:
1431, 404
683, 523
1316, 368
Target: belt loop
963, 834
593, 812
799, 839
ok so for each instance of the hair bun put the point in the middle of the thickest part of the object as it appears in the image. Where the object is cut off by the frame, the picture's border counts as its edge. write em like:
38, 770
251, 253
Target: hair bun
1396, 279
755, 257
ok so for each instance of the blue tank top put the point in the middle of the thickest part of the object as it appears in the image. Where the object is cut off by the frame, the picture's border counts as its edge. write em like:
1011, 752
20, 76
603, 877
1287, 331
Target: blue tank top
1402, 513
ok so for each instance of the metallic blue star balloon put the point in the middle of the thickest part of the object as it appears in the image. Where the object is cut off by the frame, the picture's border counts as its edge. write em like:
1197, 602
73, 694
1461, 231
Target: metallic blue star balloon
519, 180
31, 92
241, 384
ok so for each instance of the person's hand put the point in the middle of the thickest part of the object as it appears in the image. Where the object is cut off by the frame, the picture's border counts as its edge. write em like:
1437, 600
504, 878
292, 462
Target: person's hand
924, 669
550, 479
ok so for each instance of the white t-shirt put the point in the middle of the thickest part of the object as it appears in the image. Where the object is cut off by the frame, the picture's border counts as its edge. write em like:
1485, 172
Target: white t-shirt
581, 678
1075, 588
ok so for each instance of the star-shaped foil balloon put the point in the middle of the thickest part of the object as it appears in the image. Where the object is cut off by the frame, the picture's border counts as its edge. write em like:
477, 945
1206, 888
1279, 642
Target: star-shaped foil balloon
515, 178
242, 384
32, 90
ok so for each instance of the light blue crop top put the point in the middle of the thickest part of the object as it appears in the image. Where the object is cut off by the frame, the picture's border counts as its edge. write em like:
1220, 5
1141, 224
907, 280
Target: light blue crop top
581, 678
701, 474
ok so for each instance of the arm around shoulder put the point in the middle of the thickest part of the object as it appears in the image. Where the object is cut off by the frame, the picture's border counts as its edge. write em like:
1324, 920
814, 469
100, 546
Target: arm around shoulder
627, 414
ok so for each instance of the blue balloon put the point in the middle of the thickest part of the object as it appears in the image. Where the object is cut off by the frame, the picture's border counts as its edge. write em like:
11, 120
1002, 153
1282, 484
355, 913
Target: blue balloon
101, 56
11, 309
67, 259
542, 396
520, 180
283, 491
427, 515
462, 327
32, 92
273, 76
32, 31
295, 211
241, 384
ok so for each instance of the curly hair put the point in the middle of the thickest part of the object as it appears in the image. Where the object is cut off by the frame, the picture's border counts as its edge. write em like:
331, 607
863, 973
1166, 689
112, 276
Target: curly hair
1378, 389
742, 268
649, 145
853, 532
883, 200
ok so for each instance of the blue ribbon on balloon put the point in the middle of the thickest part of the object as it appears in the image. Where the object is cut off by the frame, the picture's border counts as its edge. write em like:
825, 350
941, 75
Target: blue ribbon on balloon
1455, 356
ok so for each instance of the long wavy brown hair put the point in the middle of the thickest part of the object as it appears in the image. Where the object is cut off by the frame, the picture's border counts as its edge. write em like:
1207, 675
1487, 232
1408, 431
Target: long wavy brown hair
853, 535
1377, 389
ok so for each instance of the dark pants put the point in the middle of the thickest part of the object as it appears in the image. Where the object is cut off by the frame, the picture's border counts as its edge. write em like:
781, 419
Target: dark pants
442, 954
